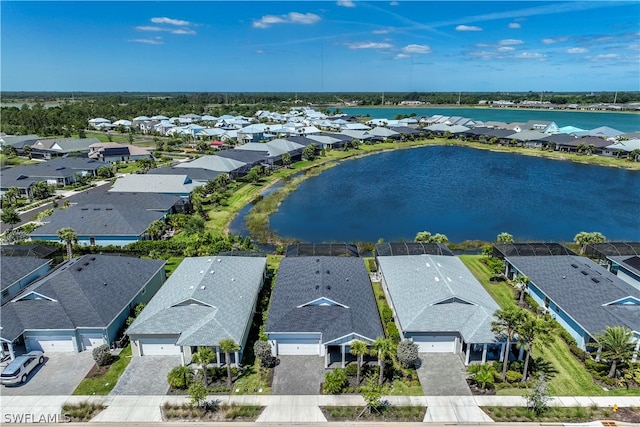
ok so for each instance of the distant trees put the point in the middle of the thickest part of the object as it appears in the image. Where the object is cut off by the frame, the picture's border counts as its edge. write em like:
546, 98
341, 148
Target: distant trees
427, 237
504, 237
145, 165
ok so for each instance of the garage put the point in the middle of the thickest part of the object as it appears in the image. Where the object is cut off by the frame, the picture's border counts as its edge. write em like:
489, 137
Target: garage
158, 347
298, 346
91, 341
435, 343
50, 344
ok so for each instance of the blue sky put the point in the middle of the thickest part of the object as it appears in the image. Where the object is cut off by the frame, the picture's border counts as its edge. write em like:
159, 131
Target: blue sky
327, 46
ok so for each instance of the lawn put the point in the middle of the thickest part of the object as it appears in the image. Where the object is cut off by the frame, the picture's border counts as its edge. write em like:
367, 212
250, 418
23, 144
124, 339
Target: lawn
401, 389
572, 378
172, 264
251, 381
104, 383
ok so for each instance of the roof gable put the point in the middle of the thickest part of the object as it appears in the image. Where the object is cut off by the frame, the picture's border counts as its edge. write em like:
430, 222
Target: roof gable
322, 301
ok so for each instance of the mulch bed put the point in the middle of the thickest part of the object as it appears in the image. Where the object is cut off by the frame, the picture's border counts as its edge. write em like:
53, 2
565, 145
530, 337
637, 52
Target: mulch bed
211, 414
387, 414
477, 391
97, 371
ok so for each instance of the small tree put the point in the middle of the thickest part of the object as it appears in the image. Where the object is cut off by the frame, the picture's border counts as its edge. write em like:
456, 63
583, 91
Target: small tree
310, 152
585, 238
203, 357
616, 346
507, 322
9, 216
383, 348
538, 398
359, 349
523, 281
407, 353
197, 393
286, 159
180, 377
504, 237
372, 392
69, 237
101, 355
483, 375
228, 346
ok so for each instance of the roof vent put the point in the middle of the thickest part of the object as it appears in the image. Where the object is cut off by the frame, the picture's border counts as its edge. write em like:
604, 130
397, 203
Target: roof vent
595, 280
219, 260
92, 258
439, 265
191, 287
203, 287
201, 271
328, 272
317, 259
317, 271
212, 271
574, 265
233, 279
437, 279
317, 286
104, 284
428, 265
79, 269
329, 287
584, 272
86, 263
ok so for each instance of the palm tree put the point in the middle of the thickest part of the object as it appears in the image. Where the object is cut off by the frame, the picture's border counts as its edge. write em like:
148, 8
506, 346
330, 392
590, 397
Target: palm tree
532, 329
524, 285
359, 349
203, 357
616, 346
504, 237
69, 237
507, 323
584, 238
228, 345
12, 194
384, 349
156, 228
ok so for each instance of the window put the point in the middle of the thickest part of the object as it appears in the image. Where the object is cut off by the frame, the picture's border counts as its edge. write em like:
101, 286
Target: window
5, 292
92, 241
546, 302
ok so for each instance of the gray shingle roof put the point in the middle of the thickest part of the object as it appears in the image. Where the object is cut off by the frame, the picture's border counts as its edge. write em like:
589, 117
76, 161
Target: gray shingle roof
343, 280
15, 268
437, 293
197, 174
24, 175
164, 184
204, 301
567, 280
214, 163
80, 296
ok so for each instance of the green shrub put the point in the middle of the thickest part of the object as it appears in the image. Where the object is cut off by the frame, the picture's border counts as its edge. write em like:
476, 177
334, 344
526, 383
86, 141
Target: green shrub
407, 353
180, 377
578, 352
513, 376
351, 370
387, 314
102, 355
392, 332
334, 381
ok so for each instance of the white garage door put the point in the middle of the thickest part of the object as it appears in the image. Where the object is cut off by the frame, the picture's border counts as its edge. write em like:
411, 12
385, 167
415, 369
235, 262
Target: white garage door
159, 347
50, 344
435, 343
298, 347
91, 341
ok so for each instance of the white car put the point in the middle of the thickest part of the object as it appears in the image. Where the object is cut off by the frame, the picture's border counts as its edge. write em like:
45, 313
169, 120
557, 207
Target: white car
19, 369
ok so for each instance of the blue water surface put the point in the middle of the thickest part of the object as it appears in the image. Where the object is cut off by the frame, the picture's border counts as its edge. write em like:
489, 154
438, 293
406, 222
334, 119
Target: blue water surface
464, 193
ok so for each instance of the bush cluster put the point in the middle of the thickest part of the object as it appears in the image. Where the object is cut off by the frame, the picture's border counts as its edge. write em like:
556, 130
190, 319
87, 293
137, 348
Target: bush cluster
407, 353
102, 355
334, 381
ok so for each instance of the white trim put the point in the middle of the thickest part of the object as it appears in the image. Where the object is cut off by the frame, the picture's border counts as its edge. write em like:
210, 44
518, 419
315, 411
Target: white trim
637, 300
335, 303
195, 300
344, 336
22, 297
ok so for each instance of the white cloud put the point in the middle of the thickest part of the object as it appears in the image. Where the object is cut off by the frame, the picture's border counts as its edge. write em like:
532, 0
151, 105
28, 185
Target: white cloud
260, 52
346, 3
552, 40
514, 25
416, 48
530, 55
509, 42
380, 31
290, 18
170, 21
369, 45
183, 31
468, 28
577, 50
147, 41
604, 57
402, 56
506, 49
394, 3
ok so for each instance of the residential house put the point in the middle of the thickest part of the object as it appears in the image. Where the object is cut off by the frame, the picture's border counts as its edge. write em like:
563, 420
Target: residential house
579, 294
196, 174
18, 272
81, 305
18, 142
320, 305
58, 172
104, 219
51, 147
234, 168
385, 133
622, 147
111, 152
206, 300
179, 185
627, 268
440, 305
98, 122
543, 126
602, 132
249, 158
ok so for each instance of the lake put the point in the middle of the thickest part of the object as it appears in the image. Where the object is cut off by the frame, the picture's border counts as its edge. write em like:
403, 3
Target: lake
624, 122
464, 193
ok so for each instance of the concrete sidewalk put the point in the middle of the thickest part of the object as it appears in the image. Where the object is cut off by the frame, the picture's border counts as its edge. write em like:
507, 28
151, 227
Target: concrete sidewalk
282, 409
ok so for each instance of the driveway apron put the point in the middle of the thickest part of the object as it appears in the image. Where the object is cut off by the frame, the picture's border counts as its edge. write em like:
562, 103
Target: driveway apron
298, 375
443, 374
146, 376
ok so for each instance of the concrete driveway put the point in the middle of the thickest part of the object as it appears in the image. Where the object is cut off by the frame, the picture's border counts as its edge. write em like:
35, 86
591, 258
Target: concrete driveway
298, 375
146, 376
443, 374
60, 374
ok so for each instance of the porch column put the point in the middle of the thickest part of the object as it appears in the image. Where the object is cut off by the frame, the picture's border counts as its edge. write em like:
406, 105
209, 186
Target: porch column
326, 357
502, 346
521, 354
598, 353
12, 355
2, 354
182, 355
484, 353
343, 355
634, 359
468, 355
217, 357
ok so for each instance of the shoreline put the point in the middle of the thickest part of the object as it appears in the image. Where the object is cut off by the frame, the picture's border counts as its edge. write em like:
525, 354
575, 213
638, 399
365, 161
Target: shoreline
478, 107
357, 153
